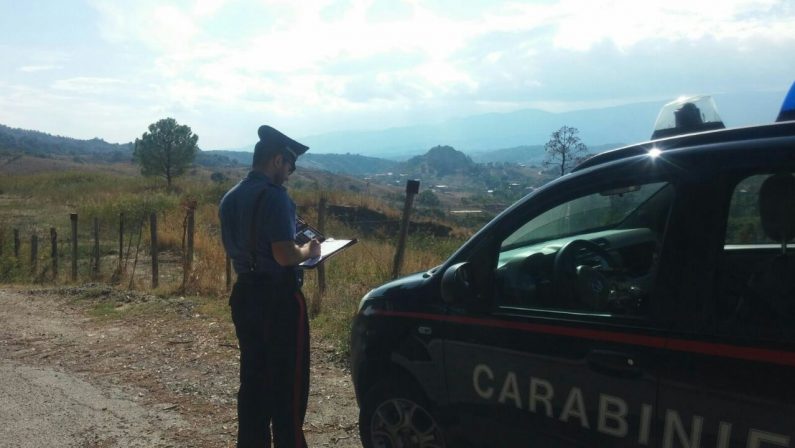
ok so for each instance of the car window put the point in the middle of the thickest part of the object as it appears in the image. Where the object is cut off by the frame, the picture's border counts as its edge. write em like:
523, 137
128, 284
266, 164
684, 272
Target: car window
744, 225
596, 253
601, 210
755, 282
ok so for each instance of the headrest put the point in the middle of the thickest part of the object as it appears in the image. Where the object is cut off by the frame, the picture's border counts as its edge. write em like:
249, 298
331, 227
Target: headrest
777, 207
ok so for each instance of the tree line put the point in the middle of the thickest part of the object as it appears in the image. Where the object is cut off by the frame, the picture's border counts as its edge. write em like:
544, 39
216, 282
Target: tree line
168, 149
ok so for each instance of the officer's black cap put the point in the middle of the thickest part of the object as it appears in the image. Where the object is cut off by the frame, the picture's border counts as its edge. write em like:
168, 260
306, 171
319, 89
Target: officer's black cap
271, 141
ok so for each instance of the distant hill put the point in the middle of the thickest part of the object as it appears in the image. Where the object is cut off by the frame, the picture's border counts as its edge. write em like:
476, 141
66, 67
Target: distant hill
518, 154
531, 154
626, 123
353, 164
223, 158
13, 140
439, 161
489, 132
515, 137
443, 169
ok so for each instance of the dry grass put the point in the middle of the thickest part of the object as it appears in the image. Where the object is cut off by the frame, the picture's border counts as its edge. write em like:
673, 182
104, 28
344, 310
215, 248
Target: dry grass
34, 203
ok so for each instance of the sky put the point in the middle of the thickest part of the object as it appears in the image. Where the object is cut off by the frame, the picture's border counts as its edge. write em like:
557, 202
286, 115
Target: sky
108, 69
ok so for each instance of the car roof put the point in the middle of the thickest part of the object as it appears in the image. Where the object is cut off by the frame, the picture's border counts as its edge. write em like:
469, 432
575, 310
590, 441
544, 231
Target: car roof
784, 129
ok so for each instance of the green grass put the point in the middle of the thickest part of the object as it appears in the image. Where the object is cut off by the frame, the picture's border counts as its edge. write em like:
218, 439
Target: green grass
106, 311
334, 326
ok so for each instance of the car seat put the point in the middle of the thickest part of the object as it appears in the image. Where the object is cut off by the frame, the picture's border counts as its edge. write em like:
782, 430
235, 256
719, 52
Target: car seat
773, 283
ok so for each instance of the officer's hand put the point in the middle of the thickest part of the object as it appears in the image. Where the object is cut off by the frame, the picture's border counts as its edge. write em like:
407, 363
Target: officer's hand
314, 248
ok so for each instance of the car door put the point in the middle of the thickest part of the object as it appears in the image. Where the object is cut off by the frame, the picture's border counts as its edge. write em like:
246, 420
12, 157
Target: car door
729, 379
528, 368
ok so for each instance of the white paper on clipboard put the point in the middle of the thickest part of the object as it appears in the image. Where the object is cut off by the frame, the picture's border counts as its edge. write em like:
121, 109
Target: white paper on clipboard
328, 248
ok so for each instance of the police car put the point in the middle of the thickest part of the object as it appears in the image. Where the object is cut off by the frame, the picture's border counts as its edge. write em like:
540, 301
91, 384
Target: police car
647, 299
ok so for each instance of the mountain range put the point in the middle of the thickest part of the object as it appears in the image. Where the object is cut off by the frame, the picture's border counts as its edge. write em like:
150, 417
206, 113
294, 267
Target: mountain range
627, 123
516, 137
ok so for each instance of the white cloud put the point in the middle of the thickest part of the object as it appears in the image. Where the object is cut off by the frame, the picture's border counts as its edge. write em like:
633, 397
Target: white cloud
626, 22
161, 26
70, 114
301, 42
327, 58
204, 8
88, 85
38, 68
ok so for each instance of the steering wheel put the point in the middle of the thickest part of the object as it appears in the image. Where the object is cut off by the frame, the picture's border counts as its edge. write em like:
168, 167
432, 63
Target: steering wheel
578, 286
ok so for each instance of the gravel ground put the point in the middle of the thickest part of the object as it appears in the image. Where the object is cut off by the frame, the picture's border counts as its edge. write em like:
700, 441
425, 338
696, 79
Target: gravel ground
140, 379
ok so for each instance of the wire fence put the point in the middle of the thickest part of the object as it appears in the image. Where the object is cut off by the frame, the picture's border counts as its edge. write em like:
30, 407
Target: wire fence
173, 250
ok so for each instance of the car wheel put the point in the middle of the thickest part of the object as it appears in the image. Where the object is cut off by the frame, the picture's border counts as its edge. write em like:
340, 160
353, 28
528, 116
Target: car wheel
395, 415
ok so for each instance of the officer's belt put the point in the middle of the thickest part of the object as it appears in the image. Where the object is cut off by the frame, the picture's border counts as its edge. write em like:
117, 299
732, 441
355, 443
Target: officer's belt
285, 278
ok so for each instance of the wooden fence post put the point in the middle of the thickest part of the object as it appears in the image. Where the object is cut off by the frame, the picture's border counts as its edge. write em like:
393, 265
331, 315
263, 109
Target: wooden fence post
34, 254
412, 188
95, 267
321, 269
121, 240
137, 248
153, 248
187, 266
54, 252
129, 245
73, 218
16, 243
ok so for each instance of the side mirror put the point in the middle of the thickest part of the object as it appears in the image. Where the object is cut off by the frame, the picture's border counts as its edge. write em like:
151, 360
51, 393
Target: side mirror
456, 284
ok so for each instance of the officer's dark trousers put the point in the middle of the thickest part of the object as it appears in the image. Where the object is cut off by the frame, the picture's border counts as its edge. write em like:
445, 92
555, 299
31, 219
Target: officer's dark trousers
272, 329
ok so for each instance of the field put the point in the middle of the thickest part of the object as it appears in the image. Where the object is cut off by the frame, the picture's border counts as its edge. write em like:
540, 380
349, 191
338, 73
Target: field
38, 198
113, 361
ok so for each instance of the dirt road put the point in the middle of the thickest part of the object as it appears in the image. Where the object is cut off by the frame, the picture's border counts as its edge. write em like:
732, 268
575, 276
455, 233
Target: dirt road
160, 375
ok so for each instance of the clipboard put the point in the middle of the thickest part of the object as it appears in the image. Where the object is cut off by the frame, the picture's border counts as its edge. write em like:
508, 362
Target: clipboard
329, 247
304, 233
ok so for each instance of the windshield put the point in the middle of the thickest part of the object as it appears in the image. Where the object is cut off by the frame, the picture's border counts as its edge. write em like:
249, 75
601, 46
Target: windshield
598, 211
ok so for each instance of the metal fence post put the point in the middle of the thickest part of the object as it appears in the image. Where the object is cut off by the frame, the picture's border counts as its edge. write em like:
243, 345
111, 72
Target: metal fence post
412, 188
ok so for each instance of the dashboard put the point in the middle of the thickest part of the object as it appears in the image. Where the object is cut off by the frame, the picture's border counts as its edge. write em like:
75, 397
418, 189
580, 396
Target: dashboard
607, 272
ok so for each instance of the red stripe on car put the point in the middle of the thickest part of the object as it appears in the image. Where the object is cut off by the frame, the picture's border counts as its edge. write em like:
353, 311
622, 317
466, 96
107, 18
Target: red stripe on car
682, 345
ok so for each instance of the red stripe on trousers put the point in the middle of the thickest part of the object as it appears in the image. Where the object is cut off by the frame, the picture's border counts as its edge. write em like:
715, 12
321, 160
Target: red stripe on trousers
299, 379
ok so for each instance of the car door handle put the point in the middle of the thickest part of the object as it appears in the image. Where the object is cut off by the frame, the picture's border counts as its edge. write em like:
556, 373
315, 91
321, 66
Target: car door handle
425, 331
613, 363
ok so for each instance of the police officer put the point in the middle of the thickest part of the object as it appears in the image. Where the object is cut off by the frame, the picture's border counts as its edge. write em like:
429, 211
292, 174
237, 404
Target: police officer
258, 225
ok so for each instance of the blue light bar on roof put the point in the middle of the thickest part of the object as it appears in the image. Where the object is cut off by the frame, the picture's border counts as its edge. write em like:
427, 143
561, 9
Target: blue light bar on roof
787, 112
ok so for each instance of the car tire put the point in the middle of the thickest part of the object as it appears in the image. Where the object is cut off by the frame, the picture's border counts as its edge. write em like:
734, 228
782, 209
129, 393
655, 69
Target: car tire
394, 414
